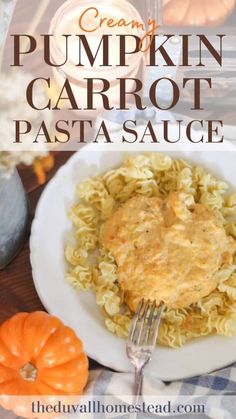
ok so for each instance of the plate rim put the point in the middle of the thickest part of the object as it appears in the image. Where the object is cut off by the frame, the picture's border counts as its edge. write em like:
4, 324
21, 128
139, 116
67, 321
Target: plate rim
90, 353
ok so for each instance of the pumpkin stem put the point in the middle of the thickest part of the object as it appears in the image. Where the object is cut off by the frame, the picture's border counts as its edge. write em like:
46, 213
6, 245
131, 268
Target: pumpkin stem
28, 372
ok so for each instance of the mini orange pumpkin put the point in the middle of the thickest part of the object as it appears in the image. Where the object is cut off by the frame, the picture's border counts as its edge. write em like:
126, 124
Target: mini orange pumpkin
196, 12
40, 356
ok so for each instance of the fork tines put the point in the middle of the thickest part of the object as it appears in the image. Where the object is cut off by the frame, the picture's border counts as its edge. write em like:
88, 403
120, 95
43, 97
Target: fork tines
144, 329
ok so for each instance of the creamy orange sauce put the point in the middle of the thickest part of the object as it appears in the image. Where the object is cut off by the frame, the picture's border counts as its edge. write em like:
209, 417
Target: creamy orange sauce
167, 249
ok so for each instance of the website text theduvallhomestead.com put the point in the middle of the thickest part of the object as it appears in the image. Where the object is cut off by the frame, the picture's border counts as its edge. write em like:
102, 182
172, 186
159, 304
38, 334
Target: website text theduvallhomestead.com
95, 406
97, 89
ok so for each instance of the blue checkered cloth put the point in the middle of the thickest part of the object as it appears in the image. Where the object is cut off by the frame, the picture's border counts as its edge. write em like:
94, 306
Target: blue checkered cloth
216, 391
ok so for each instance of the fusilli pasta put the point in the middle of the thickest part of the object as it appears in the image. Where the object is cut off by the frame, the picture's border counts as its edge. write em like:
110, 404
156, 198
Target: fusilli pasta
92, 266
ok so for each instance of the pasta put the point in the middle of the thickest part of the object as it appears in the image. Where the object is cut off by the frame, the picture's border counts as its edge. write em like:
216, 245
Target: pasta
93, 267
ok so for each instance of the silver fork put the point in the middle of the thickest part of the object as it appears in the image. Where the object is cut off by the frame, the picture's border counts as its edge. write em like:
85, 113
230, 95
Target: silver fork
142, 340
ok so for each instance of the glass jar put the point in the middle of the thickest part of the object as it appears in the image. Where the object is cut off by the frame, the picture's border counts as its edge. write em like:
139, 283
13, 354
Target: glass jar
155, 10
14, 217
65, 21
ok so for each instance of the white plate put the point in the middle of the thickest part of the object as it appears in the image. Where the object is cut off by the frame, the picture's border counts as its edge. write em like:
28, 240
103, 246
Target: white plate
50, 230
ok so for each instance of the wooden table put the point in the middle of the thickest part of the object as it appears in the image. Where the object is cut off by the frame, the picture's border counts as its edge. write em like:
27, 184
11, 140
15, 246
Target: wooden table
17, 292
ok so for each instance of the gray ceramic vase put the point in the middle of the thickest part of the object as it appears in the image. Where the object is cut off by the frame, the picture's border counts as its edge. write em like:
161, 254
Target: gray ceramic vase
14, 217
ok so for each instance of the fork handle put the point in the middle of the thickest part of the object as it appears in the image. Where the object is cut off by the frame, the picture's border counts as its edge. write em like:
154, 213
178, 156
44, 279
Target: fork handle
138, 384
